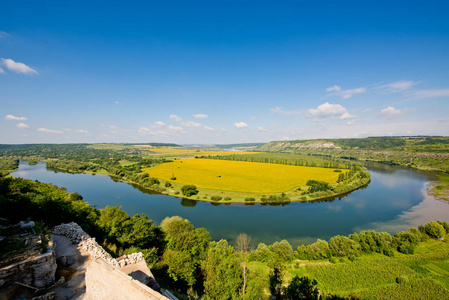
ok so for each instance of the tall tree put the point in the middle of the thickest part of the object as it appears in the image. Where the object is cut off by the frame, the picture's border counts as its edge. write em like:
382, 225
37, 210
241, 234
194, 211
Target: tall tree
243, 249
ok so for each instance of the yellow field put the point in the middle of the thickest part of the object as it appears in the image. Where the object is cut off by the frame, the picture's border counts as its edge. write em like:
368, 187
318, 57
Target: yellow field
196, 152
240, 176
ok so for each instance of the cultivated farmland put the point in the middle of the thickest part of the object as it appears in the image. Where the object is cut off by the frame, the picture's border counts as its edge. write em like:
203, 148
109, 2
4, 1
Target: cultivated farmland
238, 176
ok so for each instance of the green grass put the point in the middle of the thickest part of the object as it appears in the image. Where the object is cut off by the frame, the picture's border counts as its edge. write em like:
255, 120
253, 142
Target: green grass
374, 275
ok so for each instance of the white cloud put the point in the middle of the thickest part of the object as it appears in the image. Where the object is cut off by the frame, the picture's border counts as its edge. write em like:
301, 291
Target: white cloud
424, 94
2, 71
349, 93
280, 111
175, 118
191, 124
345, 94
334, 88
116, 102
161, 129
330, 110
200, 116
240, 125
14, 118
208, 128
3, 35
345, 116
81, 131
49, 130
350, 122
398, 86
391, 112
17, 67
22, 125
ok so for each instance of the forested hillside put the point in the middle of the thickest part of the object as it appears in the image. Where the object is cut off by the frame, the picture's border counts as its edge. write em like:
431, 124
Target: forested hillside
421, 152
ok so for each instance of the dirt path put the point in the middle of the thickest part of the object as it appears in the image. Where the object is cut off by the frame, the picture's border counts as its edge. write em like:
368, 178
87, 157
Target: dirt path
74, 274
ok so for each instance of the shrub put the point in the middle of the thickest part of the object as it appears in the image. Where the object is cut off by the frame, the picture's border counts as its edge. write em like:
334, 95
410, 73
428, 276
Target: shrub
401, 279
434, 229
227, 198
189, 190
215, 198
250, 199
167, 184
177, 193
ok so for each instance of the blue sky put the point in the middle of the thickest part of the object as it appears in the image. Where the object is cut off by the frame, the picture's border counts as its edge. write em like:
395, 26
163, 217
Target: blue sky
222, 71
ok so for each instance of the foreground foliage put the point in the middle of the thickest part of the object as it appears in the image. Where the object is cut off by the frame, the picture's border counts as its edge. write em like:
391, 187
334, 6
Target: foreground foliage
186, 260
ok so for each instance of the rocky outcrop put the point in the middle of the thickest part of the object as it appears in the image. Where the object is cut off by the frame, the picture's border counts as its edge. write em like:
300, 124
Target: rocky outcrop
36, 271
78, 236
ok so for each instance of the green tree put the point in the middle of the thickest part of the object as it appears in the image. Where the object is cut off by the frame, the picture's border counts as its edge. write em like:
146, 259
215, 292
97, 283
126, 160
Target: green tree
186, 245
222, 272
283, 250
319, 250
243, 249
189, 190
301, 288
276, 283
343, 246
262, 253
434, 229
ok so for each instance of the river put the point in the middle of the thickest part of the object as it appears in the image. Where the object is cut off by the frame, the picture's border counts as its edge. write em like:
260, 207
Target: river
395, 200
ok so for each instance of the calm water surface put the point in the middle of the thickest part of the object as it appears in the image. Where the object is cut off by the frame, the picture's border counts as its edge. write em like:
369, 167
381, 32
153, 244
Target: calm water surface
394, 200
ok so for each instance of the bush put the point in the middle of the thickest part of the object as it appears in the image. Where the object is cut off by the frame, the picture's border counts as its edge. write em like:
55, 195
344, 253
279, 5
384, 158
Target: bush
250, 199
434, 229
215, 198
227, 198
401, 279
189, 190
173, 178
177, 193
167, 184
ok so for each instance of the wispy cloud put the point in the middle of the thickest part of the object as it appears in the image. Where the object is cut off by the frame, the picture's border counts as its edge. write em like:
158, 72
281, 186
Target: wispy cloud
424, 94
279, 110
398, 86
3, 35
240, 125
188, 123
200, 116
330, 110
49, 130
334, 88
349, 93
14, 118
2, 71
345, 94
175, 118
81, 131
159, 128
391, 113
22, 125
17, 67
116, 102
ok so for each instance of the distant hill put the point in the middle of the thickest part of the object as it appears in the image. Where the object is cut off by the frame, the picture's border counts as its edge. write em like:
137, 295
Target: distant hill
224, 146
370, 143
